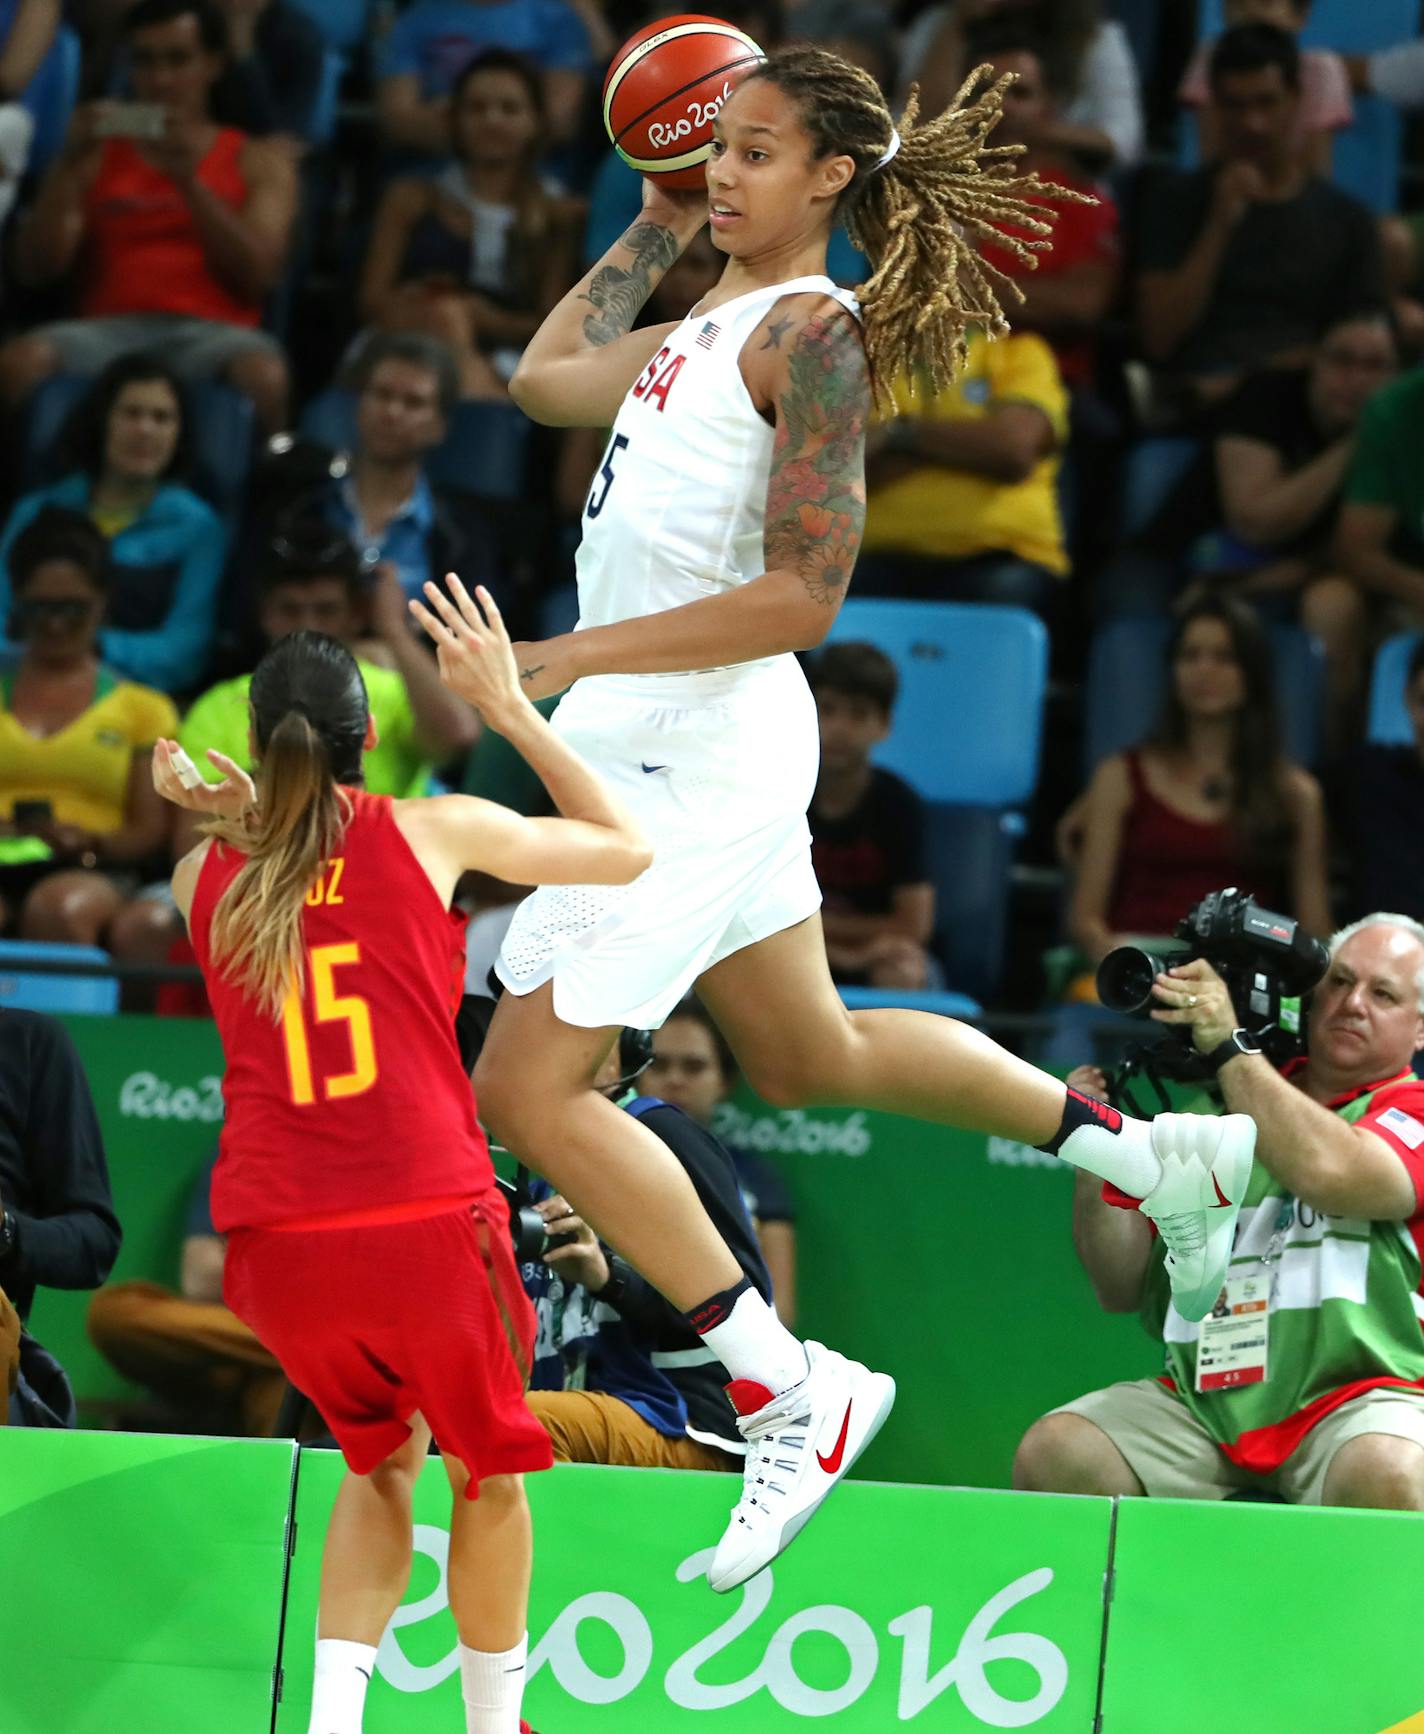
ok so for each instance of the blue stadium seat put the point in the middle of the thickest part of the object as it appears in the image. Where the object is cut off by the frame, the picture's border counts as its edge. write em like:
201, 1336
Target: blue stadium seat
50, 97
221, 435
1389, 721
1125, 684
948, 1005
971, 858
342, 22
1368, 156
559, 611
330, 418
32, 990
970, 711
484, 451
1154, 467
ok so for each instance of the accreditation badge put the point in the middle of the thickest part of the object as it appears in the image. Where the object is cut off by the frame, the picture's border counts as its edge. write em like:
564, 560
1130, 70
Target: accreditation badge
1231, 1348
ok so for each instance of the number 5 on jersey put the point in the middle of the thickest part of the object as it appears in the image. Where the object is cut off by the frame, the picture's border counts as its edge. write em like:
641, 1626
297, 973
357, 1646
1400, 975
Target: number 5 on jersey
599, 497
329, 1007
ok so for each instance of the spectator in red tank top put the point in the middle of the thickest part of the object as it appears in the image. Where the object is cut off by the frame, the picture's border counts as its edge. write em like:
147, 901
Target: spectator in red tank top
1069, 294
170, 243
320, 915
1210, 800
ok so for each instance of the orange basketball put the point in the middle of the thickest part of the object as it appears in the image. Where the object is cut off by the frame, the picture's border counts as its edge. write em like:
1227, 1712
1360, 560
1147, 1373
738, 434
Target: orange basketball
665, 88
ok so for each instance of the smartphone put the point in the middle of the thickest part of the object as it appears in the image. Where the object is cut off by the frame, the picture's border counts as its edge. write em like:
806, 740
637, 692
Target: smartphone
142, 120
31, 813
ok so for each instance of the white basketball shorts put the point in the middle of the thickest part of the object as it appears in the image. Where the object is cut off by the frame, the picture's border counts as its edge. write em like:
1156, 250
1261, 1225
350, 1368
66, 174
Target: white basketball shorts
719, 769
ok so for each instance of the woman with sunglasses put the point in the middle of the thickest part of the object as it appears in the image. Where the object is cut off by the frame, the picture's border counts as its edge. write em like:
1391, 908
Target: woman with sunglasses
125, 449
79, 817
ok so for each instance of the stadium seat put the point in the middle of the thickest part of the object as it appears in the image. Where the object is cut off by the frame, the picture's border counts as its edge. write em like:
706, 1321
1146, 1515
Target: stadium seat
50, 97
320, 125
221, 433
559, 611
1368, 155
342, 22
29, 989
970, 712
971, 856
1389, 721
1124, 687
1153, 469
484, 451
948, 1005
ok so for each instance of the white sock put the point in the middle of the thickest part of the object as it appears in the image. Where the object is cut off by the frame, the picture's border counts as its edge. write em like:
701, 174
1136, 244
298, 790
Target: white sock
752, 1343
493, 1685
1124, 1157
343, 1672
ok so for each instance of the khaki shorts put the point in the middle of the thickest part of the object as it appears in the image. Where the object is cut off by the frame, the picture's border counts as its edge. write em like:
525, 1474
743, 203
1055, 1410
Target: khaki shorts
1173, 1456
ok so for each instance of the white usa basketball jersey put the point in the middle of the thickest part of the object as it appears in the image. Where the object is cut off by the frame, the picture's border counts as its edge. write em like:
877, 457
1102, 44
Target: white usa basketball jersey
676, 511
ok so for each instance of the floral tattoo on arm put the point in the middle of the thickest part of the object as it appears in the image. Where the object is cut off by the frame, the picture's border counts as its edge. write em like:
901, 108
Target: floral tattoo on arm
815, 502
616, 294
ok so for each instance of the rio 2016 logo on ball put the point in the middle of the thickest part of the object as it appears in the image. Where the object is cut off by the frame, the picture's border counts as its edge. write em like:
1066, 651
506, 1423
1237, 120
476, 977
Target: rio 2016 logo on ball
664, 89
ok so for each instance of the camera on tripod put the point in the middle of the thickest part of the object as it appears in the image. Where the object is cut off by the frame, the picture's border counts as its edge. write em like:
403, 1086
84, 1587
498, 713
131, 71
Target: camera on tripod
1266, 960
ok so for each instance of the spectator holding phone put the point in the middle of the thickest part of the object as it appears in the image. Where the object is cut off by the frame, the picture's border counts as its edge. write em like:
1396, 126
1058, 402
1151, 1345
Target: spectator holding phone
77, 803
127, 443
172, 229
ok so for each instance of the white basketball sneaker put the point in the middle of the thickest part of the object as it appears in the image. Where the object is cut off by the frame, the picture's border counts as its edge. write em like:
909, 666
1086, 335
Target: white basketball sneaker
1206, 1164
799, 1445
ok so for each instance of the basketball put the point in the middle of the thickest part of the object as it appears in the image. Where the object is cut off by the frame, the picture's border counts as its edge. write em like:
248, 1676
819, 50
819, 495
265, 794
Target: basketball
665, 88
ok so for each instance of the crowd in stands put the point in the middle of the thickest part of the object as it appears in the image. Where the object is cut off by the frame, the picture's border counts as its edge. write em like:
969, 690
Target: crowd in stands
269, 264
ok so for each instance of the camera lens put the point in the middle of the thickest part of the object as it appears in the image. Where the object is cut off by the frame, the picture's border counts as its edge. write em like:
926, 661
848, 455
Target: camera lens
1125, 977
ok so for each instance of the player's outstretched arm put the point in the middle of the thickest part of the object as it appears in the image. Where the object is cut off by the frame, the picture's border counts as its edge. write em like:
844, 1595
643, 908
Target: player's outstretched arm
584, 358
813, 378
596, 842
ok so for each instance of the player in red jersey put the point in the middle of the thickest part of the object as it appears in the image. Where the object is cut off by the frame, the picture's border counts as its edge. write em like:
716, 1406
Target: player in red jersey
367, 1246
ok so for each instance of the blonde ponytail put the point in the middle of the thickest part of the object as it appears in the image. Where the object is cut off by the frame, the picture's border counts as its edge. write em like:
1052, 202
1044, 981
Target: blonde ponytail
256, 933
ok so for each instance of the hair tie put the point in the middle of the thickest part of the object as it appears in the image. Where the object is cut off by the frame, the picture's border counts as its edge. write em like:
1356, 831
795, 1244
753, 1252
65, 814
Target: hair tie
890, 151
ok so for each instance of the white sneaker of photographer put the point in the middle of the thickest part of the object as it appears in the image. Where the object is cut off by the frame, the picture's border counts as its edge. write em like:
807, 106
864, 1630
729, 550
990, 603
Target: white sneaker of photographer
799, 1445
1206, 1164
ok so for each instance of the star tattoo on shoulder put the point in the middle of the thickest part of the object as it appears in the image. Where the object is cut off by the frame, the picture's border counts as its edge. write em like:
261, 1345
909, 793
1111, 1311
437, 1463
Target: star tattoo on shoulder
776, 331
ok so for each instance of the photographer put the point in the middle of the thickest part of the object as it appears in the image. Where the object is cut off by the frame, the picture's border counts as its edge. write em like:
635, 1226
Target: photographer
618, 1376
1309, 1380
57, 1222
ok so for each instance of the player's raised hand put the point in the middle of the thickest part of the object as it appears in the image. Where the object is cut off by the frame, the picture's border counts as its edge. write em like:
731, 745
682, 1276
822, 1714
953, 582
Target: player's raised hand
173, 777
473, 649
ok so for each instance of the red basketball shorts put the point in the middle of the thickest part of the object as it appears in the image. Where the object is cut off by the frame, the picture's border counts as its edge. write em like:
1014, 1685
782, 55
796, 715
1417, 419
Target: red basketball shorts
378, 1321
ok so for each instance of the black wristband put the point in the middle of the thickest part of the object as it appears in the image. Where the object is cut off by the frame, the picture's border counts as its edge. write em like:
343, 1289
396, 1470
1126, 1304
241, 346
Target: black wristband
1239, 1042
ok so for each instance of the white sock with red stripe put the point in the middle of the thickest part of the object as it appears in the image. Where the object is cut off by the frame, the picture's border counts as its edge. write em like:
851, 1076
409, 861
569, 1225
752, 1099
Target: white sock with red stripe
343, 1672
750, 1341
1111, 1145
493, 1685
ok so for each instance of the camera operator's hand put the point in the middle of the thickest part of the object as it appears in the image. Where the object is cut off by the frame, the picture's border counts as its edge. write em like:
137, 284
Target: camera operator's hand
1195, 995
582, 1260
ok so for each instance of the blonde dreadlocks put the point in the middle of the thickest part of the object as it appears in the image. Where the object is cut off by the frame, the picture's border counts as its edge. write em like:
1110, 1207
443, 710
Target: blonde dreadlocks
918, 217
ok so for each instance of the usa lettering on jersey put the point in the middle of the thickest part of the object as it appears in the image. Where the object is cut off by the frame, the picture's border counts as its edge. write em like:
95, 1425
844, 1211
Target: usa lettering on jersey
658, 377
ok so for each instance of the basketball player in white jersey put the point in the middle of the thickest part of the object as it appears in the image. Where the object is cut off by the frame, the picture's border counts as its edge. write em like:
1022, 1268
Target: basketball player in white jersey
719, 537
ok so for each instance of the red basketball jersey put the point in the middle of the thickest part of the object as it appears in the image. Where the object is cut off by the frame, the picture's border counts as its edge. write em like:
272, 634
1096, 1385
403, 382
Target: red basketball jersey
355, 1098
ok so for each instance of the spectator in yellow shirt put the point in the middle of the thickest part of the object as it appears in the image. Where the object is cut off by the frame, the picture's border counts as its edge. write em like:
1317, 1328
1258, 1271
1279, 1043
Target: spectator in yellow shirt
80, 820
964, 486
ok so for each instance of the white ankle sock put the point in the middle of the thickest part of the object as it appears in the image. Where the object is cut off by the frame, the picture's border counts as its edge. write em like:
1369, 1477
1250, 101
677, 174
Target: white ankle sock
1125, 1157
752, 1343
493, 1685
343, 1672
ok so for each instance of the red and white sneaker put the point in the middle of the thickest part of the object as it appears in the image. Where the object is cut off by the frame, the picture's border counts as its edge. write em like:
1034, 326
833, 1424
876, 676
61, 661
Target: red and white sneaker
799, 1445
1206, 1165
